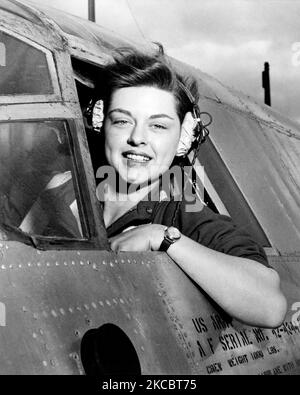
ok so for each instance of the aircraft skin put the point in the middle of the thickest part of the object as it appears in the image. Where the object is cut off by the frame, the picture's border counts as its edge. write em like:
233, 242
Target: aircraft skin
71, 306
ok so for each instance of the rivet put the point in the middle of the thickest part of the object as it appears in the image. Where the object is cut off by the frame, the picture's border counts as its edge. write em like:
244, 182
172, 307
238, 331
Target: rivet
86, 306
94, 305
52, 362
53, 312
45, 363
62, 311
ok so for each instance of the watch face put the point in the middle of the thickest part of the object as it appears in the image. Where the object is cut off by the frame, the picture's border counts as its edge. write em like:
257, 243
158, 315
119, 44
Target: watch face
173, 233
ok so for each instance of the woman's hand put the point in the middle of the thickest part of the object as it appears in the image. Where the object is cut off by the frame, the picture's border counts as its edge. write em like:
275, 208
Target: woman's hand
141, 238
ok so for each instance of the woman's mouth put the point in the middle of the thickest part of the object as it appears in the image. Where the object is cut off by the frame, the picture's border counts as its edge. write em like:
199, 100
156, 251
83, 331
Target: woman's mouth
136, 157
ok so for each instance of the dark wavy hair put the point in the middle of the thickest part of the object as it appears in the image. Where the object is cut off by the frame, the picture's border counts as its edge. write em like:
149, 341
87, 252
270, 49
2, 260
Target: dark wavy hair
132, 68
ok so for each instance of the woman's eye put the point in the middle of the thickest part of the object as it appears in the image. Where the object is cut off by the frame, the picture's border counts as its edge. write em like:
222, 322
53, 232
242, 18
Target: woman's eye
159, 126
120, 122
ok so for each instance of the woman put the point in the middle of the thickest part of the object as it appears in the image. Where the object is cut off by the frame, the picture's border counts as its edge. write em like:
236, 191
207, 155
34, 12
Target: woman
148, 110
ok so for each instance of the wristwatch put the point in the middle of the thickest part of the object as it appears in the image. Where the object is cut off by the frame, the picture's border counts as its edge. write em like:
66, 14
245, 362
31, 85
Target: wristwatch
172, 234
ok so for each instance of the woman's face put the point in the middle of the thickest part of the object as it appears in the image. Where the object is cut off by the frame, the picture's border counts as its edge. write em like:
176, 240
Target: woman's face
142, 131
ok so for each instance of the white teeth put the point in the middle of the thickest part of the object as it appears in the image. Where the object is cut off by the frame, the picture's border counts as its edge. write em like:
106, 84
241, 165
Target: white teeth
137, 158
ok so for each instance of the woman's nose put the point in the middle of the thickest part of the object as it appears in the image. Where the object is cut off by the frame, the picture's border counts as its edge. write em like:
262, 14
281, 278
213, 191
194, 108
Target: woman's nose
137, 136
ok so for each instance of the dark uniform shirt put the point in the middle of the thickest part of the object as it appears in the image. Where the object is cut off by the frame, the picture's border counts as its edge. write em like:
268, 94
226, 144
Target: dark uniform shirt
214, 231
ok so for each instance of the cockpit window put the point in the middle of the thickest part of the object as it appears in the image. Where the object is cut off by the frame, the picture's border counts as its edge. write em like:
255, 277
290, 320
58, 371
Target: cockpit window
37, 189
23, 68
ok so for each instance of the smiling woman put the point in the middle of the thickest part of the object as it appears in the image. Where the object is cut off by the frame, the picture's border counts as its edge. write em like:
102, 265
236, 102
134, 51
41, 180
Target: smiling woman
150, 122
142, 131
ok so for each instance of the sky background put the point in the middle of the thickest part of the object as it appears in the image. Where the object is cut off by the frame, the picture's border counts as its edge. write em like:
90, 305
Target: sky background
228, 39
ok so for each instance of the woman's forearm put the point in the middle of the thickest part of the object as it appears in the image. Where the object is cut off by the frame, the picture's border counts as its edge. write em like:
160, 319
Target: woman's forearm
244, 288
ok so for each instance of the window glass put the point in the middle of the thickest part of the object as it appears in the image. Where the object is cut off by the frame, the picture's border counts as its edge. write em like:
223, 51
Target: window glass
37, 193
23, 68
229, 193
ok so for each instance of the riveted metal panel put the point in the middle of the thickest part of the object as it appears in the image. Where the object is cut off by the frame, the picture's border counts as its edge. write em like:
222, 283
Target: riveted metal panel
52, 298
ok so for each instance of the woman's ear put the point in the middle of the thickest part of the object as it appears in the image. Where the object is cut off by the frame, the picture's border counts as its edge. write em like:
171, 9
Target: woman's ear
187, 134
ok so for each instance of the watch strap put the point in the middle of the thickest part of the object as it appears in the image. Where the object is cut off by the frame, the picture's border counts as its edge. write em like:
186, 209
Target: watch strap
165, 244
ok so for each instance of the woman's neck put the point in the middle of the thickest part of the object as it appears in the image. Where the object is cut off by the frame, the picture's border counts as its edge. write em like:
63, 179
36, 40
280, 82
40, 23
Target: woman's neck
117, 203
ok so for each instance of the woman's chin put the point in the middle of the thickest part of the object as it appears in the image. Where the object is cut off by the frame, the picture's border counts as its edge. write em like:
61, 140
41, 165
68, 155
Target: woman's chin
138, 179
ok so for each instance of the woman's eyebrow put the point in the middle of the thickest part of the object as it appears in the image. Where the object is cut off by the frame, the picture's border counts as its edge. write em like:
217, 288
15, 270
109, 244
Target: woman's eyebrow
154, 116
161, 116
120, 110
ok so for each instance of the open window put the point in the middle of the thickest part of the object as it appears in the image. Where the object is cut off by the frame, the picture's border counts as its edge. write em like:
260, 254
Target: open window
210, 179
86, 76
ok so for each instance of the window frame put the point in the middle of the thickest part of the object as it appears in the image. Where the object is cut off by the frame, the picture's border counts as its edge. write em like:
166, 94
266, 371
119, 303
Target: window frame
32, 98
92, 239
